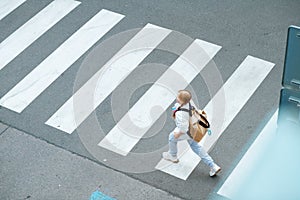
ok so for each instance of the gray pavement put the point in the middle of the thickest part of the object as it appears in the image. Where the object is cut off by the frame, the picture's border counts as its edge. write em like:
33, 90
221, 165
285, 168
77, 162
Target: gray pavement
34, 169
2, 128
242, 28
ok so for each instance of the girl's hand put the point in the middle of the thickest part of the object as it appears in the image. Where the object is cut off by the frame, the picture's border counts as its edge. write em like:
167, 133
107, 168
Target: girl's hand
177, 135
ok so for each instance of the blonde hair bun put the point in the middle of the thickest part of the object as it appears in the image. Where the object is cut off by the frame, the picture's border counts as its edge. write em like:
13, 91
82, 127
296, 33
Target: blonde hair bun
185, 96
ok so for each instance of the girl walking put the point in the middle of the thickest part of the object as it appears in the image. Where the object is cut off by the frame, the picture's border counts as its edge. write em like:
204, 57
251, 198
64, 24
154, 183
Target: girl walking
180, 133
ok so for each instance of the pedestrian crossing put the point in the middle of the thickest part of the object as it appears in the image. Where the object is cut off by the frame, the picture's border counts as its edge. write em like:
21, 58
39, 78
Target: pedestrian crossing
18, 98
237, 90
17, 42
122, 138
7, 6
109, 77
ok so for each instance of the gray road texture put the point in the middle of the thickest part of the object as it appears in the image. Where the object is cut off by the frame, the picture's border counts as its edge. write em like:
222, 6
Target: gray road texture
34, 169
242, 28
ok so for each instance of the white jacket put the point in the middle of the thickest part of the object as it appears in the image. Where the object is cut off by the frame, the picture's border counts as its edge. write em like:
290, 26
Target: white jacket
182, 119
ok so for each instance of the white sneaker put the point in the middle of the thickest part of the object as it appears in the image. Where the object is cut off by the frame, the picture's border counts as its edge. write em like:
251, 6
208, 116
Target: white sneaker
214, 170
169, 157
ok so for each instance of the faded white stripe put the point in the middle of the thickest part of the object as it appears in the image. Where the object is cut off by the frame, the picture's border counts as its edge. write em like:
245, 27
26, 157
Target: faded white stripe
131, 128
33, 29
19, 97
67, 118
7, 6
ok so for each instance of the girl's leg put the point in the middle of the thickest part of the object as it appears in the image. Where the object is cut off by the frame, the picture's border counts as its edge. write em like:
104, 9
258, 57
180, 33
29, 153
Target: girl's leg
171, 155
173, 144
201, 153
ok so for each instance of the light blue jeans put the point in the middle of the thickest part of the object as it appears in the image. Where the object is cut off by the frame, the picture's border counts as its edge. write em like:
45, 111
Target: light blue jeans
194, 146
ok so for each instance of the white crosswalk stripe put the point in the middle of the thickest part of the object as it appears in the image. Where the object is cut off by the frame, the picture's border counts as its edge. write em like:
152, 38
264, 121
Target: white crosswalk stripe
107, 78
7, 6
18, 98
238, 89
123, 137
33, 29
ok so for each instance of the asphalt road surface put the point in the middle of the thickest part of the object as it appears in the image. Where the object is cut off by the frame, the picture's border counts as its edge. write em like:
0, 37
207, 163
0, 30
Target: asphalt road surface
47, 58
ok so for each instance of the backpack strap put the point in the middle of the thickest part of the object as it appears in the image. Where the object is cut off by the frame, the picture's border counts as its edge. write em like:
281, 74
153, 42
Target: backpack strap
191, 108
185, 110
180, 109
190, 114
206, 124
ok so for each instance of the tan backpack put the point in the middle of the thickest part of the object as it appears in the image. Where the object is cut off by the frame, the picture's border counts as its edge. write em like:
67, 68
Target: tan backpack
198, 123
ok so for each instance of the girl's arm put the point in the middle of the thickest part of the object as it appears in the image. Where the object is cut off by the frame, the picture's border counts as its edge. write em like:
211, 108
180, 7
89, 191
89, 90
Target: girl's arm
178, 134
